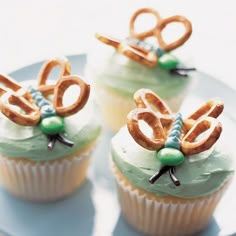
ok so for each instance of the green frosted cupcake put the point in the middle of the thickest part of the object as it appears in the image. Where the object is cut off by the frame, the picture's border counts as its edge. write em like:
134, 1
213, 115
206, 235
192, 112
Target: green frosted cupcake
135, 63
46, 145
170, 172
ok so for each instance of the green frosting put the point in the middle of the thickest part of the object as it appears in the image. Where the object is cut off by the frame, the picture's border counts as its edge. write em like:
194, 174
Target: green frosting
17, 141
124, 76
198, 178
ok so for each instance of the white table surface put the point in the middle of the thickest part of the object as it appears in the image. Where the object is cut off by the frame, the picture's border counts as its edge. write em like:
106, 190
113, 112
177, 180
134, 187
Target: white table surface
37, 30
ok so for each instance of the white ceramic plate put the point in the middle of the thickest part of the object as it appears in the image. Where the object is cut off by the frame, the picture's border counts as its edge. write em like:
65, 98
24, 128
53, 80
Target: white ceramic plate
94, 209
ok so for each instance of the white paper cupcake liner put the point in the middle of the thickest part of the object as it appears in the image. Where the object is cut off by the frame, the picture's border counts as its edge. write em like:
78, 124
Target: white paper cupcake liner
44, 181
115, 107
164, 216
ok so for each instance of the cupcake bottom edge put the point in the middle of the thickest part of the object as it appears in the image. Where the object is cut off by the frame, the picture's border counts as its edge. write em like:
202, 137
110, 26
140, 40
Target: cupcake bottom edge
165, 216
47, 181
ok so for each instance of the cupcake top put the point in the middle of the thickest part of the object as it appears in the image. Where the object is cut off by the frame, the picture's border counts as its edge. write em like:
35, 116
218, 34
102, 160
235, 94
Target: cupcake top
167, 155
139, 62
125, 76
41, 122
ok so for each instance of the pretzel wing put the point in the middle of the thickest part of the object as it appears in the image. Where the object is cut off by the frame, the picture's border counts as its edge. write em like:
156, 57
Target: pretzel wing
203, 119
191, 145
152, 110
134, 17
164, 22
65, 69
146, 98
14, 94
62, 85
212, 108
130, 50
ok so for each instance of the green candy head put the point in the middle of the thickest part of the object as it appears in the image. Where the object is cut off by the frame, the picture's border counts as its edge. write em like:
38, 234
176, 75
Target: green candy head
52, 125
168, 61
170, 156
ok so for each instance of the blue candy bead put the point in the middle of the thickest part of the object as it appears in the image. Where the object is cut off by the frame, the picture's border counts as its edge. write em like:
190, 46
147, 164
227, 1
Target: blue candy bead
38, 98
159, 52
178, 116
178, 122
31, 89
35, 94
174, 133
47, 111
177, 127
42, 103
173, 142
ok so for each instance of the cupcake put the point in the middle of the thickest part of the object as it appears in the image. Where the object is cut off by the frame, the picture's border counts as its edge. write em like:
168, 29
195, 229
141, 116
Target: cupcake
121, 67
169, 171
48, 133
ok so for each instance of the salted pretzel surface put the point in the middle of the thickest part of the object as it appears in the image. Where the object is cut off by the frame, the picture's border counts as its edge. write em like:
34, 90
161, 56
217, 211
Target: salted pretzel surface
152, 110
148, 106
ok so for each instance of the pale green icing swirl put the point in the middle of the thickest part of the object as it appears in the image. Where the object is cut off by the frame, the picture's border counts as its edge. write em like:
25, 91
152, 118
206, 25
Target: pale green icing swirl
18, 141
198, 178
124, 76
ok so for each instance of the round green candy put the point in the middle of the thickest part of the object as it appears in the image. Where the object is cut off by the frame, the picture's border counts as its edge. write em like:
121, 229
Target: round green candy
170, 156
168, 61
52, 125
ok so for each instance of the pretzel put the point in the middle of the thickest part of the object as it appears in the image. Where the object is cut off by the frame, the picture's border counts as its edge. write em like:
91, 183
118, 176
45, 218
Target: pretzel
130, 50
190, 147
65, 69
146, 98
212, 108
145, 101
62, 85
147, 33
153, 121
164, 22
158, 28
16, 95
9, 83
161, 122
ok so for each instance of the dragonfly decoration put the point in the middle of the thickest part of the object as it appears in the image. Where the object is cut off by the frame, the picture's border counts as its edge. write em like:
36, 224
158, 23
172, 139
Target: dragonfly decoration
138, 49
36, 108
173, 138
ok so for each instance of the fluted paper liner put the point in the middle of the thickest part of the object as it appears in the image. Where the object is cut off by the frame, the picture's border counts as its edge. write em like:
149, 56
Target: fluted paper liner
115, 107
165, 215
44, 181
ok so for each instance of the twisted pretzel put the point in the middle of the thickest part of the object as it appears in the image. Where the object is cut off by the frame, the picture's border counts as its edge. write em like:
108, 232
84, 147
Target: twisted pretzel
147, 33
160, 25
189, 146
64, 81
212, 108
161, 122
153, 121
65, 69
62, 85
9, 83
130, 50
158, 119
16, 95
